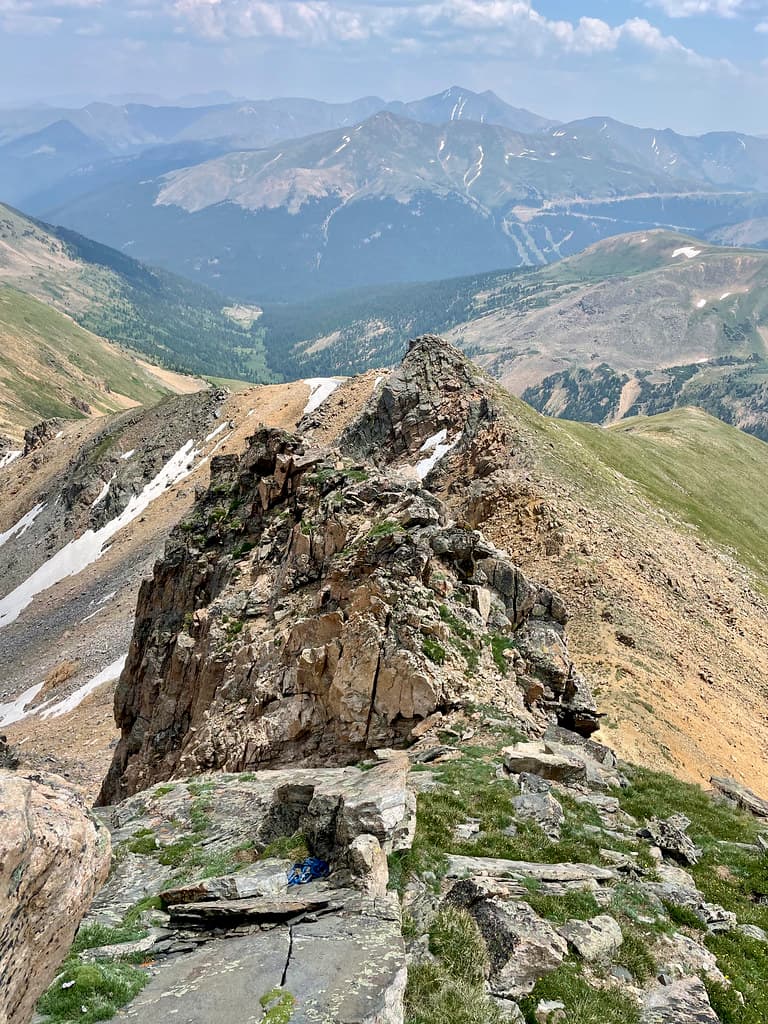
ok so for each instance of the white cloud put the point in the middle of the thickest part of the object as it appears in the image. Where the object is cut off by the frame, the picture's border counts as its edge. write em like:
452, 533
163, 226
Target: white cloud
490, 26
693, 8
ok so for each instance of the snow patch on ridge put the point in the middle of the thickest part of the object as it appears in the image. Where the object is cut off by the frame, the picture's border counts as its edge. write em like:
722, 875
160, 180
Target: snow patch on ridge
320, 388
688, 251
86, 549
9, 457
439, 446
74, 699
13, 711
20, 528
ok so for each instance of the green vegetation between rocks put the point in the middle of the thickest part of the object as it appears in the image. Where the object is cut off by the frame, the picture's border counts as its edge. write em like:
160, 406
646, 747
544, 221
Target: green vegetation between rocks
450, 987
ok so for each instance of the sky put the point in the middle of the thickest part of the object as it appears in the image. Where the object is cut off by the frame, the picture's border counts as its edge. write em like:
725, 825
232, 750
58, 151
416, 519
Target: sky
692, 65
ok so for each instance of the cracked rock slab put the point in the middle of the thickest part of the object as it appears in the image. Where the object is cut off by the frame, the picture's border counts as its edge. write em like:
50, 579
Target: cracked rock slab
682, 1002
223, 981
347, 970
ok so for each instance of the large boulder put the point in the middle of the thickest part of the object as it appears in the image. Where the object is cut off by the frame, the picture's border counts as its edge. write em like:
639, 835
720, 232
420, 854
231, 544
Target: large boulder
53, 859
741, 796
522, 947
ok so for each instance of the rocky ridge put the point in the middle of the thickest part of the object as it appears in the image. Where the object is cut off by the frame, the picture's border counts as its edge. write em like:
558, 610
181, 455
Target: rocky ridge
320, 608
312, 609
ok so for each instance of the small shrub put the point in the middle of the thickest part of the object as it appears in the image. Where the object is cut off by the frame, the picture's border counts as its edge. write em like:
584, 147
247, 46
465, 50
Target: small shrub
433, 650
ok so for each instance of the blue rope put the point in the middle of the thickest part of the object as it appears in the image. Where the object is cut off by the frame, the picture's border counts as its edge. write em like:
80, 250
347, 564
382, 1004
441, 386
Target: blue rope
308, 870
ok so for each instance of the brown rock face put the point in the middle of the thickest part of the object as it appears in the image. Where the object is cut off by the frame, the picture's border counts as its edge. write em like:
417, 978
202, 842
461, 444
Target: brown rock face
53, 859
312, 610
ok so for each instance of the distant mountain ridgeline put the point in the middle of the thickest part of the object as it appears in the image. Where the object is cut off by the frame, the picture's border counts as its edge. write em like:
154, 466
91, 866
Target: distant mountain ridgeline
395, 199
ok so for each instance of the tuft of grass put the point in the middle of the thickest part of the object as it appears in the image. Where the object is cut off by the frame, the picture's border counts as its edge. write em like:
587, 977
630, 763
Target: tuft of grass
433, 650
584, 1004
450, 989
278, 1006
635, 954
455, 940
293, 848
95, 992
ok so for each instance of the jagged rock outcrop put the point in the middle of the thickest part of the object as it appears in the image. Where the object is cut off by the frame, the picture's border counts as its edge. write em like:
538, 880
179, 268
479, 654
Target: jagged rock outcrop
8, 757
39, 435
53, 858
312, 609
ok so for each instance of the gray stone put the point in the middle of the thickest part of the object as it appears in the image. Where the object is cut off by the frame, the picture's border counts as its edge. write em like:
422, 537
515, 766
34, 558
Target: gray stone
533, 758
597, 939
682, 1002
218, 913
533, 783
671, 837
267, 878
681, 956
541, 808
714, 917
347, 969
522, 947
582, 875
751, 931
222, 981
550, 1011
621, 974
368, 864
741, 795
467, 831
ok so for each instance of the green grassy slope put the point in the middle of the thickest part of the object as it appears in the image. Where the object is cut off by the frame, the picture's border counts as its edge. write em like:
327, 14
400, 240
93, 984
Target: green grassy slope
46, 360
706, 473
177, 324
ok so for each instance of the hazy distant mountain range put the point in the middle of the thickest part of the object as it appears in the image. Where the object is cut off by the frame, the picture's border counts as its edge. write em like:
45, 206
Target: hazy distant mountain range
281, 200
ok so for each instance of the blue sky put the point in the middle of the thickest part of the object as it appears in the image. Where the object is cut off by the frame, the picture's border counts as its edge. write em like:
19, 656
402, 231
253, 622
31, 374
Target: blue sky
692, 65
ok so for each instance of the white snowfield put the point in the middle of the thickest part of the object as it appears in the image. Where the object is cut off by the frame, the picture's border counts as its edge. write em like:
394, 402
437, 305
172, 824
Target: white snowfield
74, 699
320, 388
439, 448
688, 251
20, 528
13, 711
9, 457
86, 549
701, 304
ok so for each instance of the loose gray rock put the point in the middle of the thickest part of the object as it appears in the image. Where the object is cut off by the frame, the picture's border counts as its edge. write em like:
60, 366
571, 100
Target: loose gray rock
741, 795
533, 759
597, 939
671, 837
522, 947
541, 808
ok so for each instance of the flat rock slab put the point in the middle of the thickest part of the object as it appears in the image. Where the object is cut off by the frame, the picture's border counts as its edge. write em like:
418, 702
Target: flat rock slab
209, 913
269, 878
223, 981
494, 867
683, 1002
347, 970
